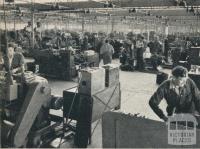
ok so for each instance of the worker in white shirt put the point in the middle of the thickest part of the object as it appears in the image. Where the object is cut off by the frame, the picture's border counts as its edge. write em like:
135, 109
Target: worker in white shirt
106, 52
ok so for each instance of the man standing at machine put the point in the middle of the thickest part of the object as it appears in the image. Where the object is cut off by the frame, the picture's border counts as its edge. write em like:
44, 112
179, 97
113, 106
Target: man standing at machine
158, 46
38, 30
15, 59
16, 63
107, 51
180, 93
140, 46
166, 48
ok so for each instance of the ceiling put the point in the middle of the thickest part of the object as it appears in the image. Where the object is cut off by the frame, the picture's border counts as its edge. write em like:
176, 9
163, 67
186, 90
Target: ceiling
157, 11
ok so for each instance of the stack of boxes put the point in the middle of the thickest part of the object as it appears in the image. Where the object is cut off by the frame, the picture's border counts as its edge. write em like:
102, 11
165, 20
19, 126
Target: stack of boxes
99, 87
103, 87
94, 80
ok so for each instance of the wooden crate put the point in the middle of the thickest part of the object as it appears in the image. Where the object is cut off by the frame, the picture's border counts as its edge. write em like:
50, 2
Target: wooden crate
92, 81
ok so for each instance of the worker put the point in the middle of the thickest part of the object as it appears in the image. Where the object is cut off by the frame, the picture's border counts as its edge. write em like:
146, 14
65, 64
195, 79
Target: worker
158, 46
151, 46
180, 93
28, 28
140, 46
106, 52
38, 30
166, 48
16, 59
85, 43
99, 45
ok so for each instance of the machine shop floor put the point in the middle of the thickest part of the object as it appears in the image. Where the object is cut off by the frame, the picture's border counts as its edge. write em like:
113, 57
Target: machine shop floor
136, 88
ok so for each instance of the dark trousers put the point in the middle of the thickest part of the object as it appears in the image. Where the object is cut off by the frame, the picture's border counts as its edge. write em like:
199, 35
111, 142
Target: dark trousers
140, 59
166, 54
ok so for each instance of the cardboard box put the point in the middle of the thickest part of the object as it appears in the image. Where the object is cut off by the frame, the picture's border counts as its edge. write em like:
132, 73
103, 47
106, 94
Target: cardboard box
12, 92
112, 74
92, 80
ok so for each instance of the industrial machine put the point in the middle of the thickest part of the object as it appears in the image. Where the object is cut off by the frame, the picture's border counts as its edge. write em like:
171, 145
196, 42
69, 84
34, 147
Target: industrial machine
64, 63
25, 117
56, 63
27, 104
194, 56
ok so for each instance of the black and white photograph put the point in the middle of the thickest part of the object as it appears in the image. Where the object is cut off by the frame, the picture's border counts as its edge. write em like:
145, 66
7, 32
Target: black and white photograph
99, 74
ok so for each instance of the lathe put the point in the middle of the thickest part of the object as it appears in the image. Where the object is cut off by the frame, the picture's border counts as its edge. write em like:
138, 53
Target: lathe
25, 117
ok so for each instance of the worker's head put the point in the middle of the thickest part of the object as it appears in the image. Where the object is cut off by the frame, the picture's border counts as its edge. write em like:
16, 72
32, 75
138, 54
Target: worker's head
179, 75
11, 49
106, 41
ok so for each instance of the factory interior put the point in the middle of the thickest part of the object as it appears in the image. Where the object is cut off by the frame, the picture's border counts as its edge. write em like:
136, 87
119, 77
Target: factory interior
100, 73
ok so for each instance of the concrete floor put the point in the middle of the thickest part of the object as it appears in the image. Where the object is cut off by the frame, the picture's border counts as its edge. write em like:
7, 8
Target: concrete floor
136, 88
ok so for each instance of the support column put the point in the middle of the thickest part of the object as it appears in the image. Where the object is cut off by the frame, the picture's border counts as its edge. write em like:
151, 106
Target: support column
33, 36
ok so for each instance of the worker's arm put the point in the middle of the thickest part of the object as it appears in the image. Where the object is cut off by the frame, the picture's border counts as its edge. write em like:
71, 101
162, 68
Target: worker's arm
21, 67
196, 95
156, 99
